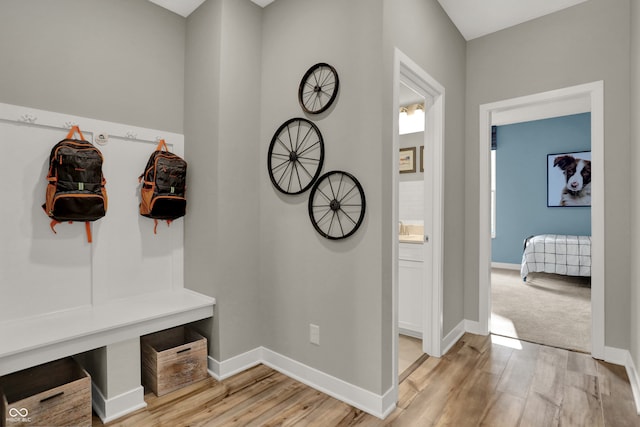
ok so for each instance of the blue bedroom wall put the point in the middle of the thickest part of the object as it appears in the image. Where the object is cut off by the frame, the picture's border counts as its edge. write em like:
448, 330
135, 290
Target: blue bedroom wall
521, 183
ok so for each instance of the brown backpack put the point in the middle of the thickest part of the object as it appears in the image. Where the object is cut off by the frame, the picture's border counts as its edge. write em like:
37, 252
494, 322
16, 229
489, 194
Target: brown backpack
163, 192
76, 187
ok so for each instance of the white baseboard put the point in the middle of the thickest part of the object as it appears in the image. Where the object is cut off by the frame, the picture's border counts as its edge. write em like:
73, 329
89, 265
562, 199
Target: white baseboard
235, 365
506, 266
410, 333
453, 337
634, 380
374, 404
118, 406
622, 357
473, 327
377, 405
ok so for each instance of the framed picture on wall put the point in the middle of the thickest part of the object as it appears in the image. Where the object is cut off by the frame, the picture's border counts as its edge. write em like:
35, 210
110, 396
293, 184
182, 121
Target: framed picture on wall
408, 160
422, 158
569, 179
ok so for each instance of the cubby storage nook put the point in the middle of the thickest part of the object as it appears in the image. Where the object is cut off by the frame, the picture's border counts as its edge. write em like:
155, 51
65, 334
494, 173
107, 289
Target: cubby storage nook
53, 394
172, 359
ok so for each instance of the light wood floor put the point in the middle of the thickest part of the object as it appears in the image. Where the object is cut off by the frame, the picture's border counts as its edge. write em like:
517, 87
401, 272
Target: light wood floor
409, 350
480, 382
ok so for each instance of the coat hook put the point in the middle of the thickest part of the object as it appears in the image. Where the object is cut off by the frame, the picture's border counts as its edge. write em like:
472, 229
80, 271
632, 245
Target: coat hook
131, 135
70, 124
28, 118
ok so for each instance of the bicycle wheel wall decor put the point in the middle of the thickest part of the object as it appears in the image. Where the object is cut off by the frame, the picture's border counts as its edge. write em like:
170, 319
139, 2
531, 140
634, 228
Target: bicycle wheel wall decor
337, 205
296, 155
318, 88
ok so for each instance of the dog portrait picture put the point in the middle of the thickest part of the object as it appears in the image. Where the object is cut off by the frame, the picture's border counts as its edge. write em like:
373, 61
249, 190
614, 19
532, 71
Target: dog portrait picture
569, 179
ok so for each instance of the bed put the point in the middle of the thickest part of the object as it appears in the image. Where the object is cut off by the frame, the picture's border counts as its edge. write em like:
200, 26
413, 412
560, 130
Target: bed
557, 254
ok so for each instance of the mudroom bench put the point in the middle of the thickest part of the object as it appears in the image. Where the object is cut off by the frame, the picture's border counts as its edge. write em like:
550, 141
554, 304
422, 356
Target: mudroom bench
35, 340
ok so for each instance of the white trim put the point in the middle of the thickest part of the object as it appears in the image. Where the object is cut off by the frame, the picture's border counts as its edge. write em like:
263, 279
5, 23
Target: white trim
118, 406
506, 266
351, 394
594, 92
563, 107
453, 336
634, 380
235, 365
623, 357
377, 405
473, 327
406, 71
410, 333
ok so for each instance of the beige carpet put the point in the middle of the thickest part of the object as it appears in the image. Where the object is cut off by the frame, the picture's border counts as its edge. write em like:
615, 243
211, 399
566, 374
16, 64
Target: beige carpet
548, 309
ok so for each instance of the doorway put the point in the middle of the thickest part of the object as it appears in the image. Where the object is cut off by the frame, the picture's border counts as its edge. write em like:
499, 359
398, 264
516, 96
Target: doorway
593, 95
409, 76
548, 307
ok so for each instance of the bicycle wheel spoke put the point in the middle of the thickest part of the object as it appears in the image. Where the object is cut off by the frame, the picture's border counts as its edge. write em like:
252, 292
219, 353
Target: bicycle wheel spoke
283, 145
308, 148
324, 81
280, 155
278, 166
340, 223
305, 169
348, 216
304, 141
284, 173
295, 165
348, 192
325, 196
289, 133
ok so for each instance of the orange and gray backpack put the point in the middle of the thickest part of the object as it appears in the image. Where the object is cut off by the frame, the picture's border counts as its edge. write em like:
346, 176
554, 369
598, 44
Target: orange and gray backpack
76, 187
164, 185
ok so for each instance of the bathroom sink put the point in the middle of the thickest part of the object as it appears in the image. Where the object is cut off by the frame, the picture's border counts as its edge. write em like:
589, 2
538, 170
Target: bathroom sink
411, 238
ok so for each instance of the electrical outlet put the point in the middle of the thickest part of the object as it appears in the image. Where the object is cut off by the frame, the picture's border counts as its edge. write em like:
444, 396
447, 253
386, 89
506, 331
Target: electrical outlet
314, 334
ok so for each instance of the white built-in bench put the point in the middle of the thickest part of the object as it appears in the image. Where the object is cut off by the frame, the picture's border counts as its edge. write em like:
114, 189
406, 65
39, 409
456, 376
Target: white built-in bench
36, 340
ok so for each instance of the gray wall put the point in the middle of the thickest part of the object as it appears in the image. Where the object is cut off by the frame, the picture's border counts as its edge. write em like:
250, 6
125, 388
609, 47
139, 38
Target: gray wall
585, 43
635, 178
117, 60
306, 278
423, 31
222, 116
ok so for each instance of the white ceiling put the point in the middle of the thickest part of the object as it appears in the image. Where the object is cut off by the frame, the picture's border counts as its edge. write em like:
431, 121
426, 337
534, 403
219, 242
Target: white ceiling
475, 18
185, 7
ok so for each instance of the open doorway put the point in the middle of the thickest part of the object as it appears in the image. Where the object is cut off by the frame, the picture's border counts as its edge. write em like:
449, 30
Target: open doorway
411, 204
546, 300
408, 76
593, 95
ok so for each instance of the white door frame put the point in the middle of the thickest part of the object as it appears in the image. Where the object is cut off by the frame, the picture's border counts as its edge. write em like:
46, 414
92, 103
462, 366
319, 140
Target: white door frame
412, 75
593, 93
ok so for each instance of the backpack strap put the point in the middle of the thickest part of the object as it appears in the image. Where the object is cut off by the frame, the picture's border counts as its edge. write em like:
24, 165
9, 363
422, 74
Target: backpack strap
87, 227
72, 132
155, 225
53, 224
162, 145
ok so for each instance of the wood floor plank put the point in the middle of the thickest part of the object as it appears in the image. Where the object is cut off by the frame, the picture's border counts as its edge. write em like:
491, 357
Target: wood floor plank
505, 410
468, 403
479, 382
549, 374
518, 374
291, 411
581, 404
494, 359
539, 411
618, 404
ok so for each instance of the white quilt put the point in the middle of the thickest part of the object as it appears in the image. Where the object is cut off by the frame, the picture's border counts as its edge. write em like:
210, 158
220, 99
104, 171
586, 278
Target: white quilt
556, 253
